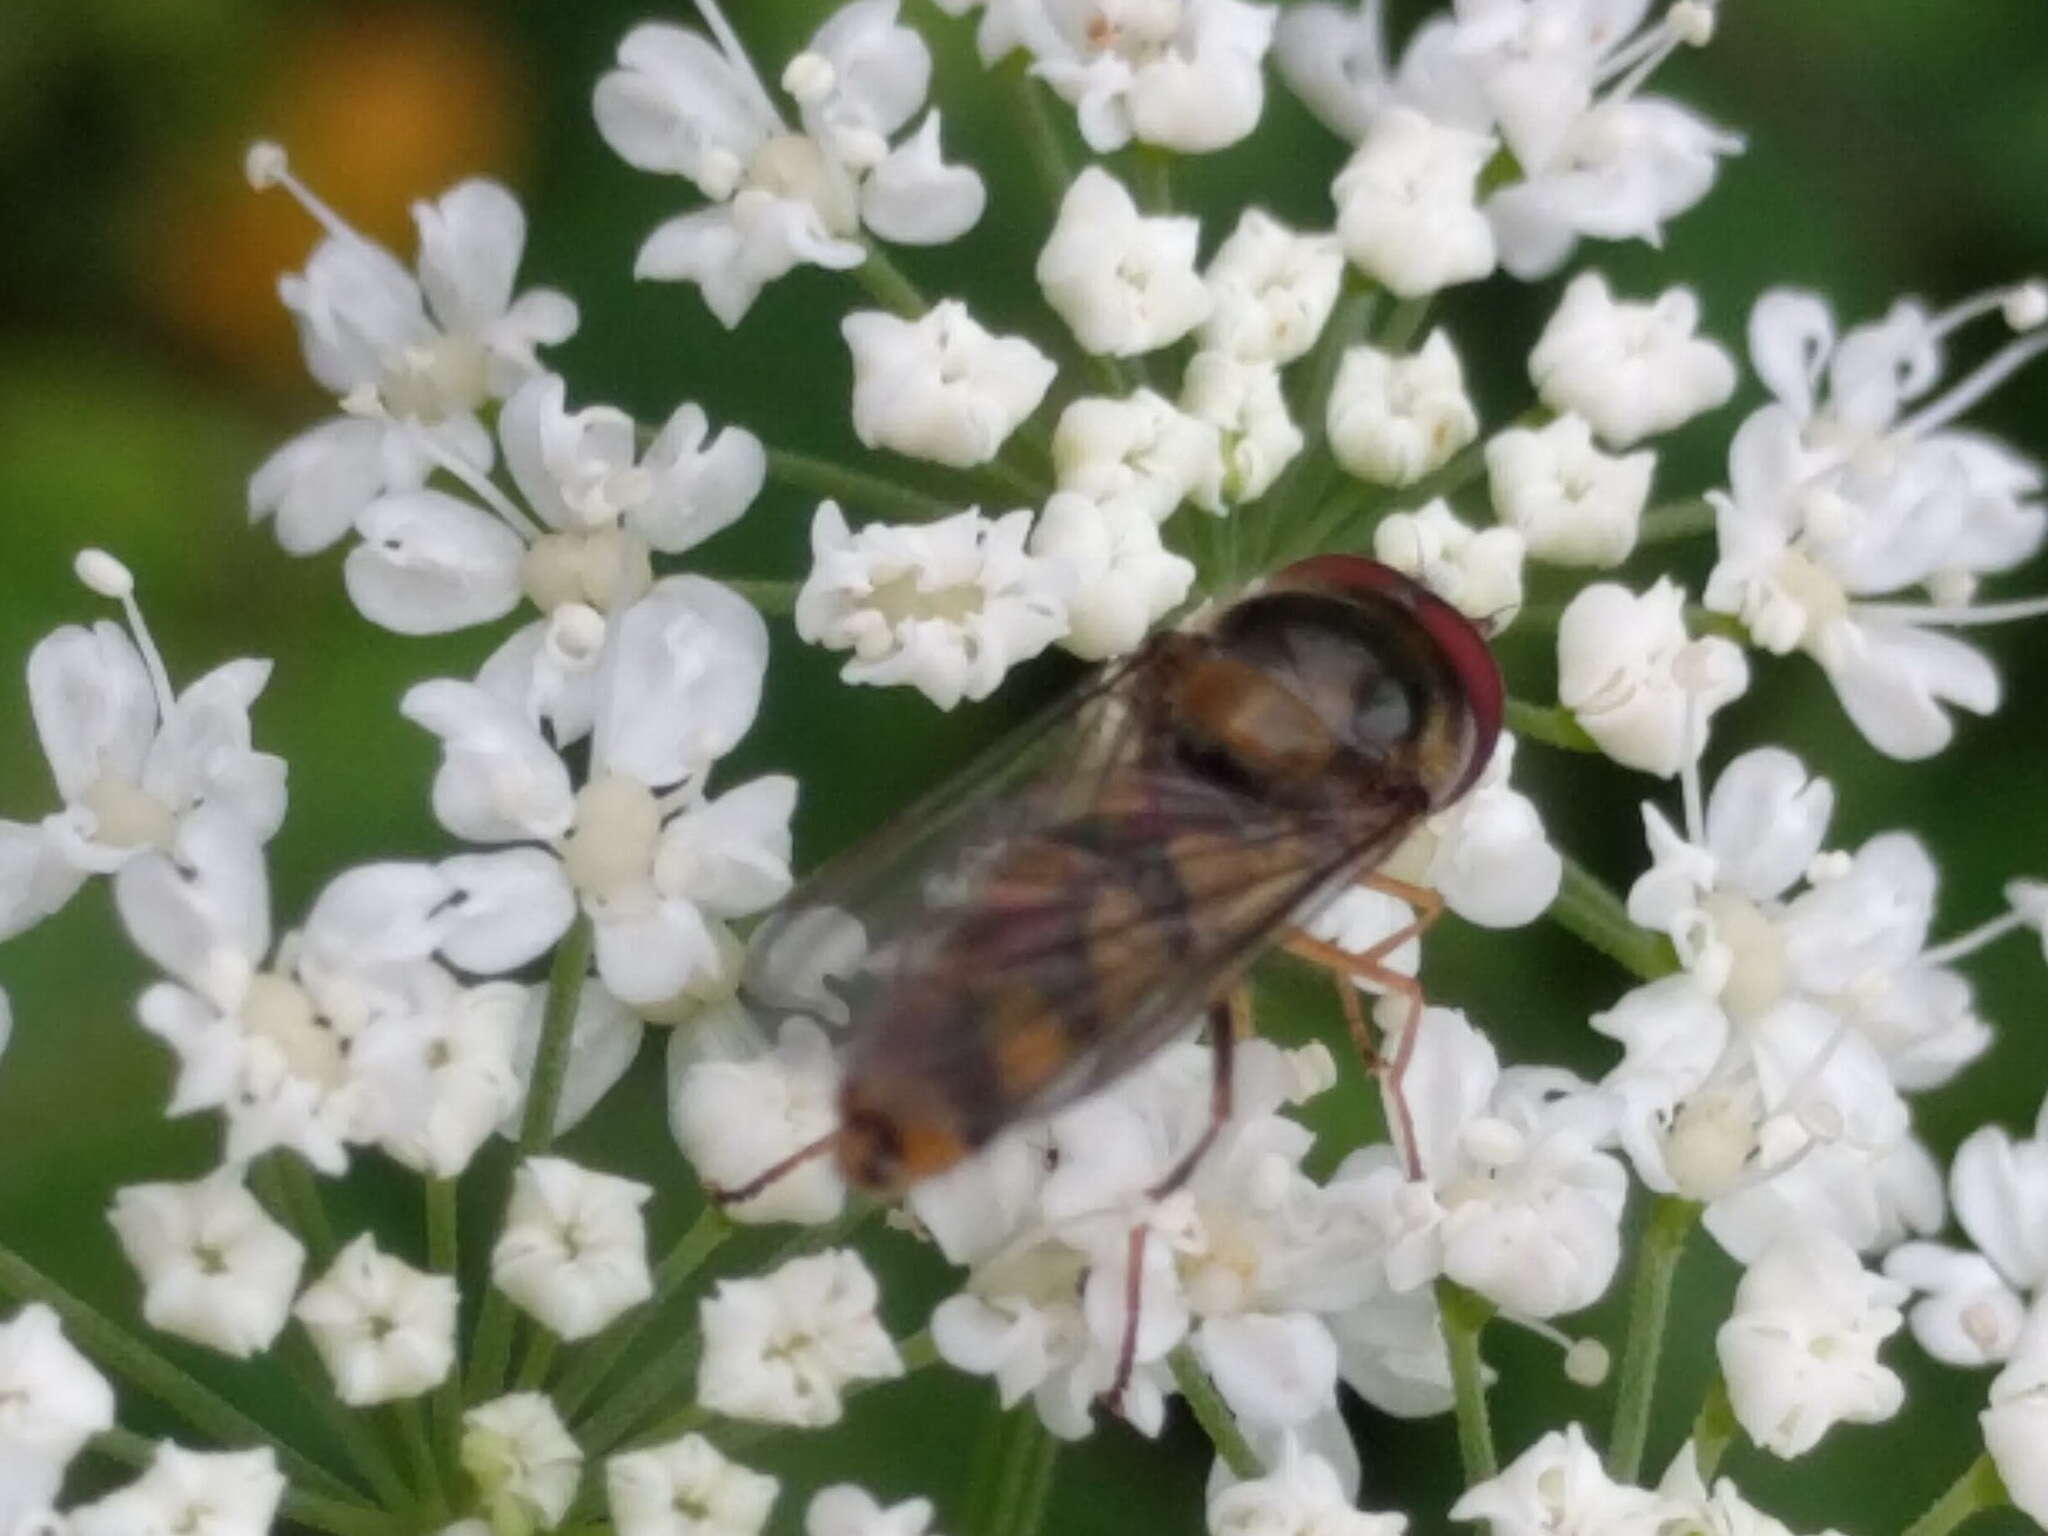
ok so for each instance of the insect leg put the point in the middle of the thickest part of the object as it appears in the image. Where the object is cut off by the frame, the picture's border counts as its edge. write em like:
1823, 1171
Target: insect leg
1370, 966
761, 1181
1227, 1021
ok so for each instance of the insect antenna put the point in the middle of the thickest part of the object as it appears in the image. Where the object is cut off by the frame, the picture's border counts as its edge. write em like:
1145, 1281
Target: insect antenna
775, 1172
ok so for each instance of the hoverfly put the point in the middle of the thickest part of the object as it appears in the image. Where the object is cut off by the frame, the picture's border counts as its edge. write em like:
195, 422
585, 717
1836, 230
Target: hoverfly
1107, 874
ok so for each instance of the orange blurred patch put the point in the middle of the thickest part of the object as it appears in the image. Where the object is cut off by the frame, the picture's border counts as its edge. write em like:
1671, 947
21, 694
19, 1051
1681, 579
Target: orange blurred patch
378, 106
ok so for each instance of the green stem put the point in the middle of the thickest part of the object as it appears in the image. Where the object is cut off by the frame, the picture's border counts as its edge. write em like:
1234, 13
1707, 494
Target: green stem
372, 1459
1018, 1507
858, 489
301, 1192
888, 286
768, 595
443, 1254
1676, 520
1714, 1428
1551, 724
1463, 1317
1154, 176
1586, 907
1671, 1222
411, 1423
331, 1515
541, 1344
557, 1030
1213, 1414
128, 1357
1978, 1489
1404, 324
491, 1347
1042, 143
598, 1359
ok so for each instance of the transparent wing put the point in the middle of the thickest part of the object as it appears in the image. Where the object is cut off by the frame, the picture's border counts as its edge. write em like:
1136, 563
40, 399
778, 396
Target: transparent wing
1046, 920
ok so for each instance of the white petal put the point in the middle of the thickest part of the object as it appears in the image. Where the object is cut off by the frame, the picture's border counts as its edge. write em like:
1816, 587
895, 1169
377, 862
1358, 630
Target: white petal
498, 780
647, 957
208, 897
34, 880
509, 908
674, 99
94, 709
913, 198
430, 563
1271, 1369
471, 239
680, 682
700, 487
316, 486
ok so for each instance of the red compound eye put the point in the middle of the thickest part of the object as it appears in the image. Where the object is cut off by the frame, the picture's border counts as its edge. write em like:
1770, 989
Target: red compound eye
1463, 647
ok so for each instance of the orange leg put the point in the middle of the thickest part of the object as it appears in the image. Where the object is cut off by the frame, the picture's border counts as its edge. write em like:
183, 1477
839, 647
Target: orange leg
1370, 967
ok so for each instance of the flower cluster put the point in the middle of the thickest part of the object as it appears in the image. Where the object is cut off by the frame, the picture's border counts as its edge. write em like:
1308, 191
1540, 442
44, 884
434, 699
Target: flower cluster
1203, 404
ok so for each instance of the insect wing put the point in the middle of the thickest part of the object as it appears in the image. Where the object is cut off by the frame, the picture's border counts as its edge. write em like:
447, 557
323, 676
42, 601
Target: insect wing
1041, 925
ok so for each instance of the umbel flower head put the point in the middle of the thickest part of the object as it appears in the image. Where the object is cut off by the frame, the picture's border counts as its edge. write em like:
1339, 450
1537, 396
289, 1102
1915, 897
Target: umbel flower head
1169, 402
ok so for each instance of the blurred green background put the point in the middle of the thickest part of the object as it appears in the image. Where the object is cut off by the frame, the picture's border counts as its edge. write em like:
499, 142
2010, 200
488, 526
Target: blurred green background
145, 368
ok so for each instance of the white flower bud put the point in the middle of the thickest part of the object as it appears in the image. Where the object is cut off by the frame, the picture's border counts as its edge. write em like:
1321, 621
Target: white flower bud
522, 1460
1394, 419
1407, 204
103, 574
1573, 504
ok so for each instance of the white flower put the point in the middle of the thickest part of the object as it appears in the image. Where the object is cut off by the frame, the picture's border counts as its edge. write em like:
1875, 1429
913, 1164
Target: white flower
131, 763
1245, 403
1514, 1200
430, 562
435, 1088
1476, 571
652, 859
1186, 75
1853, 939
1407, 204
848, 1510
412, 358
1615, 166
940, 387
385, 1330
1839, 494
782, 1348
1121, 577
1125, 284
735, 1118
1303, 1496
1559, 1488
573, 1248
52, 1402
947, 607
686, 1488
1641, 687
1630, 370
783, 196
2016, 1422
1394, 419
1723, 1512
1272, 290
522, 1460
1141, 452
215, 1268
352, 1031
204, 1493
1574, 504
1800, 1350
1391, 1352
